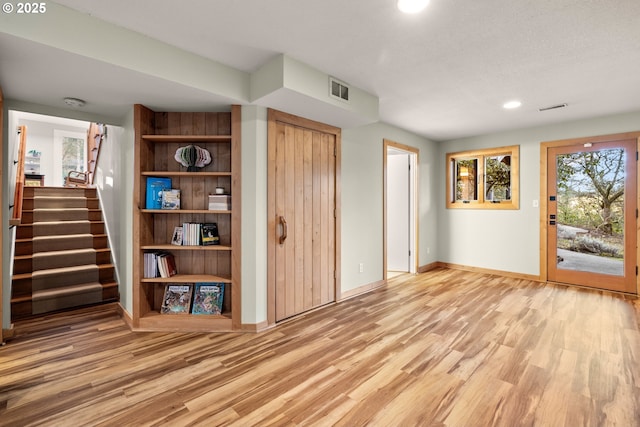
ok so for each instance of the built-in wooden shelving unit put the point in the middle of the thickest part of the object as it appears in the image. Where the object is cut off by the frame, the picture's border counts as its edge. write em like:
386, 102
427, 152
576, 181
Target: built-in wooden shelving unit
157, 137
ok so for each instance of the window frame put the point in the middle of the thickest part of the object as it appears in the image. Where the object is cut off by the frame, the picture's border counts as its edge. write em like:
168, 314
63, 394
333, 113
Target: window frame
481, 155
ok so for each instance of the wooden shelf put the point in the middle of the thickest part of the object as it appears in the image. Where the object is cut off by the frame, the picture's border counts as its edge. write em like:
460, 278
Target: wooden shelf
187, 278
187, 138
183, 211
189, 174
153, 321
169, 247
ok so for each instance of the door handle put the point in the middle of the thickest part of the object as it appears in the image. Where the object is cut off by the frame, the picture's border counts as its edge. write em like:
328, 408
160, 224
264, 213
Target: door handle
283, 236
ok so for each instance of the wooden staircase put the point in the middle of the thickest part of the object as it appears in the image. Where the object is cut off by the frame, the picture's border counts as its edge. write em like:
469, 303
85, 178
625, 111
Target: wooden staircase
62, 257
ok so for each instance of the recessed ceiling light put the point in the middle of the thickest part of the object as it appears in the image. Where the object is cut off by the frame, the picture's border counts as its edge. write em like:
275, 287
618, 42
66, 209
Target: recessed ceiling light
412, 6
511, 105
74, 102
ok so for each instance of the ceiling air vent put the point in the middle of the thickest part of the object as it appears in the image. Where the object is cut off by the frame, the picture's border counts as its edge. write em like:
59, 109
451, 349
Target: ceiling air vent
553, 107
338, 89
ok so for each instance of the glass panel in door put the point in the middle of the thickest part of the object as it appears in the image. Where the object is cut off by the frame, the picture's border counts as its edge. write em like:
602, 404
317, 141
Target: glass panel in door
591, 222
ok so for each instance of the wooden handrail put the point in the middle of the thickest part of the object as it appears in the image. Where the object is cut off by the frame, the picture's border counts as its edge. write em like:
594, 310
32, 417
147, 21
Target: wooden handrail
16, 218
95, 136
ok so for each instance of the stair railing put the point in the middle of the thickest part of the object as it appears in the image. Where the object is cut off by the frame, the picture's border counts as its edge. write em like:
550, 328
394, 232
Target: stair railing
16, 217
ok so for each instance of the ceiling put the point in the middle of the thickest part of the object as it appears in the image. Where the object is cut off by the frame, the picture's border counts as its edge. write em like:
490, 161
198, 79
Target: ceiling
442, 74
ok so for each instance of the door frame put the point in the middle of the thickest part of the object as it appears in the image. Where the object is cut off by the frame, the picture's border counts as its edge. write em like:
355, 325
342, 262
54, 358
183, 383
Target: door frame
544, 214
2, 167
414, 154
273, 117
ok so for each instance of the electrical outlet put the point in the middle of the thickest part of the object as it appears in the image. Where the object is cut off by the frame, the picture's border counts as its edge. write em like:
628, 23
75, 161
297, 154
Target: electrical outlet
361, 268
428, 251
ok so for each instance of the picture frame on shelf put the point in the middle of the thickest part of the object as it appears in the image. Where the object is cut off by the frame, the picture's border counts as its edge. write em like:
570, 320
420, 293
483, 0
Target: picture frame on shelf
177, 237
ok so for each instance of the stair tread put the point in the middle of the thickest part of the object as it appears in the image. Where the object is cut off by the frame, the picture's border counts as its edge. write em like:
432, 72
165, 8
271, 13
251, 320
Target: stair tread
69, 236
62, 236
62, 197
62, 252
77, 221
75, 268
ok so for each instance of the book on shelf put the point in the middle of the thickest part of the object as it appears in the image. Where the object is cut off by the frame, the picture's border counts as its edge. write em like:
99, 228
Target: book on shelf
219, 202
196, 234
208, 298
159, 264
170, 199
209, 234
155, 186
177, 298
191, 234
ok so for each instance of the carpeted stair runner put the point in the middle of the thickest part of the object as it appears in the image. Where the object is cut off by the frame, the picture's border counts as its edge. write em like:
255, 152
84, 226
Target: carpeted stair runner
62, 259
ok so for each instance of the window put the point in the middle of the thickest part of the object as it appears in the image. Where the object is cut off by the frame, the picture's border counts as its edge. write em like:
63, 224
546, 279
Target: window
483, 179
69, 153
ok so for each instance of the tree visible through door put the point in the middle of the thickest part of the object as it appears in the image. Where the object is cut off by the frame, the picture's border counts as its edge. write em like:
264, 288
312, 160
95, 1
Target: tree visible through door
592, 214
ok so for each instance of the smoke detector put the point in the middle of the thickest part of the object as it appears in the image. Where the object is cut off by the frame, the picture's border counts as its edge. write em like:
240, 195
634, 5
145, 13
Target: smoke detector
74, 102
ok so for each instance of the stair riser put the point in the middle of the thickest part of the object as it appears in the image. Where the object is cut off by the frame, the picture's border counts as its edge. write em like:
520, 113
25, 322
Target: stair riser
24, 247
27, 247
106, 274
63, 260
103, 257
44, 281
29, 217
35, 230
21, 287
22, 266
21, 310
59, 203
30, 192
31, 264
110, 292
61, 302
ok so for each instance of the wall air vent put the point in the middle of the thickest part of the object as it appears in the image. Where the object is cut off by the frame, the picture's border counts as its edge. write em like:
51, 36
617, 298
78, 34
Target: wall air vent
553, 107
338, 89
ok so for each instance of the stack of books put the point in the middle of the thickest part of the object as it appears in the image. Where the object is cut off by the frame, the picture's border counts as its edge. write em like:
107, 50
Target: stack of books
196, 234
159, 264
219, 202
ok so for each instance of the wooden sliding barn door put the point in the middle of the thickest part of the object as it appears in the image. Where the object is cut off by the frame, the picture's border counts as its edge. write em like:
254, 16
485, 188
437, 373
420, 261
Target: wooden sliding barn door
303, 228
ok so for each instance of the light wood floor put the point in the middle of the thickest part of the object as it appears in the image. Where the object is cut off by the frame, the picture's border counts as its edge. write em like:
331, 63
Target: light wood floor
446, 348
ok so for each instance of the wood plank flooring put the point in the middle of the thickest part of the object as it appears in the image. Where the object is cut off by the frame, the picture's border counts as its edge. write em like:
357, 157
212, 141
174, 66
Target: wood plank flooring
445, 348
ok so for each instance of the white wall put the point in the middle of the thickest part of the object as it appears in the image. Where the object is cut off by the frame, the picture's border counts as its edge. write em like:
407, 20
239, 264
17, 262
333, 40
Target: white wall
362, 207
40, 137
254, 214
111, 180
509, 240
